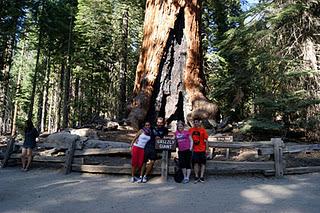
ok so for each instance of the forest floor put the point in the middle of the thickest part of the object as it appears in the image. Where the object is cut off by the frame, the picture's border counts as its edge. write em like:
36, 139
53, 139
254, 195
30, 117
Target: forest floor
49, 190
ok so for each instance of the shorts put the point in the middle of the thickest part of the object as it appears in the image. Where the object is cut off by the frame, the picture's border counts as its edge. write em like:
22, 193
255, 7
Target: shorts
199, 158
150, 154
185, 159
137, 156
29, 145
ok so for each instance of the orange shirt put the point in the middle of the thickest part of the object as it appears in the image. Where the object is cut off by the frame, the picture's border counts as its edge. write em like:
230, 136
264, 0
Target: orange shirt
198, 136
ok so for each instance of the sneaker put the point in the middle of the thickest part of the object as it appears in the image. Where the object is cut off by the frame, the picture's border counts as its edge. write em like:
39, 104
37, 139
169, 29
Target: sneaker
144, 179
186, 180
201, 180
197, 180
133, 179
139, 179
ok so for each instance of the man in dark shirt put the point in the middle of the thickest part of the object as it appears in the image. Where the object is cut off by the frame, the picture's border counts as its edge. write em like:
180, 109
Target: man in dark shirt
150, 153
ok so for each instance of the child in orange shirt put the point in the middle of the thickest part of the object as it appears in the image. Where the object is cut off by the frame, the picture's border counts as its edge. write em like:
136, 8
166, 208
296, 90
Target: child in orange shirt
200, 146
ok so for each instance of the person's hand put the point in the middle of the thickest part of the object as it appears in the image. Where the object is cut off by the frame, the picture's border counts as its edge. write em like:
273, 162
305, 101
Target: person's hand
171, 135
207, 152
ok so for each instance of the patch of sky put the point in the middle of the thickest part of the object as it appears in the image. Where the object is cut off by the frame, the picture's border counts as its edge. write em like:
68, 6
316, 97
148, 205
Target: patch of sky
247, 4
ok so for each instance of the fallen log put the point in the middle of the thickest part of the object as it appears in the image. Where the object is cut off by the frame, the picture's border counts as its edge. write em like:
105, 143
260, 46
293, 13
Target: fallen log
105, 151
62, 140
105, 144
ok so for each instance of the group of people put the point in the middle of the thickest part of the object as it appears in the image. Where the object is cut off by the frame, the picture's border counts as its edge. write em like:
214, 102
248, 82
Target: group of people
192, 148
143, 149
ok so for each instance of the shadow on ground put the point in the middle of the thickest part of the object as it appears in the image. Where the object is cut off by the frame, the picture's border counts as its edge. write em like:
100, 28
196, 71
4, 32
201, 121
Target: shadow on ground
47, 190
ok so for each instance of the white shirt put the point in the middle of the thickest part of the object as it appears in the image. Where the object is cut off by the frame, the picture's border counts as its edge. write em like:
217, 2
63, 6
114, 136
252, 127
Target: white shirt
142, 140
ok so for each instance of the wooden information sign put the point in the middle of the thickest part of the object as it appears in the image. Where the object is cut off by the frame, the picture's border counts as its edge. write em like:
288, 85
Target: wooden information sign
166, 144
221, 138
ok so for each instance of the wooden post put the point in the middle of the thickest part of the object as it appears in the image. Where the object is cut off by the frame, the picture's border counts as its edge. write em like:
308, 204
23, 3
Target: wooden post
9, 151
69, 157
228, 153
164, 166
278, 156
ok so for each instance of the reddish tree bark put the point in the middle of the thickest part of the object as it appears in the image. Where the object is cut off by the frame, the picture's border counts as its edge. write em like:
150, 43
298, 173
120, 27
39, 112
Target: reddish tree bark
169, 77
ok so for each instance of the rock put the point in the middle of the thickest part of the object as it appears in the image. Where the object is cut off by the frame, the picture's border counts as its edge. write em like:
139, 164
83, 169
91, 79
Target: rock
63, 140
85, 132
126, 128
98, 127
206, 124
4, 139
44, 134
112, 126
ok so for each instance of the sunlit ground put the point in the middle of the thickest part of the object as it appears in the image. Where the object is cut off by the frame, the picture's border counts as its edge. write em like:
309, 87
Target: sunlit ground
48, 190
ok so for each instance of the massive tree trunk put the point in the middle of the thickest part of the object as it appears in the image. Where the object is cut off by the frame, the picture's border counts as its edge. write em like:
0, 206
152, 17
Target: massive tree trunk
169, 77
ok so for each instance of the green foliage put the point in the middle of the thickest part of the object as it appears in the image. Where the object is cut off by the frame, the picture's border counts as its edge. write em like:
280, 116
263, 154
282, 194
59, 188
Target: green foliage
252, 59
257, 70
98, 51
261, 126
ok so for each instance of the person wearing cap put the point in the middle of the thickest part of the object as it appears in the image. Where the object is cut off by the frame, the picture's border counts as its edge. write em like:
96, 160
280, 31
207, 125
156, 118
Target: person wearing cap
137, 152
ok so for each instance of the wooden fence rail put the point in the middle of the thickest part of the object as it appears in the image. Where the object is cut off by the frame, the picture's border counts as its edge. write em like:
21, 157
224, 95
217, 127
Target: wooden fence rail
73, 160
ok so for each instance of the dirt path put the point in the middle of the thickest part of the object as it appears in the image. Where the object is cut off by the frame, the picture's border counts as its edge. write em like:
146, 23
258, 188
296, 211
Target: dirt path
51, 191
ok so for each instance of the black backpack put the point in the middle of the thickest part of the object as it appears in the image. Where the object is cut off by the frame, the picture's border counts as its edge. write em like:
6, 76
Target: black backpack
178, 174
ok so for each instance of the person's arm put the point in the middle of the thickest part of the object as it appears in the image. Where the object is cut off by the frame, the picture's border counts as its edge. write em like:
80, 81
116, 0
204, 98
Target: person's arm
136, 137
35, 132
207, 144
206, 141
191, 143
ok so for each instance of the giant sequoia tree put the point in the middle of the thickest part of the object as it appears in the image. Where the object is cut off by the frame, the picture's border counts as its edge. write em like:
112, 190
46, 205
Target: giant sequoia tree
169, 77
